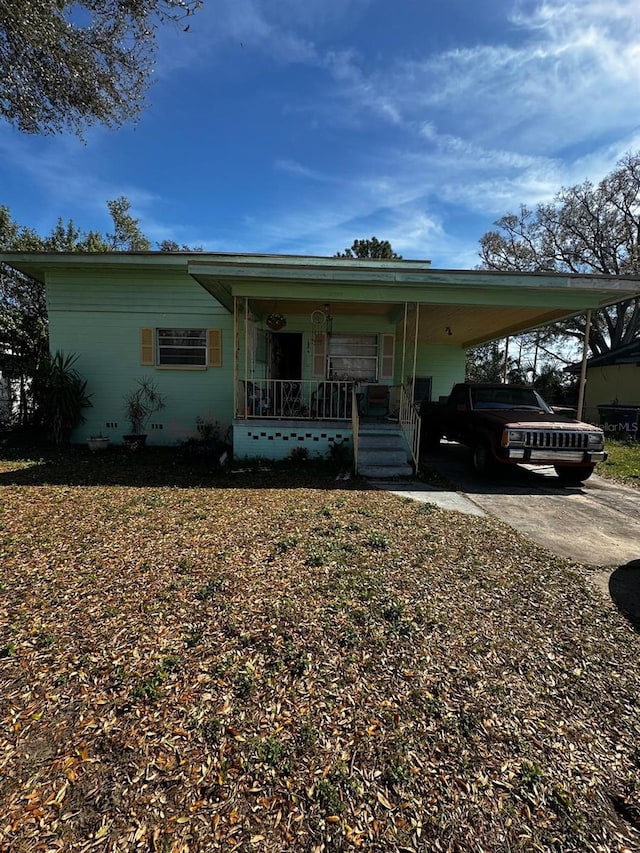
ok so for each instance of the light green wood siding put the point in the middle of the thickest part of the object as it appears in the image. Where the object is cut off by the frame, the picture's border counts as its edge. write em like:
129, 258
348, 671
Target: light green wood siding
99, 317
445, 365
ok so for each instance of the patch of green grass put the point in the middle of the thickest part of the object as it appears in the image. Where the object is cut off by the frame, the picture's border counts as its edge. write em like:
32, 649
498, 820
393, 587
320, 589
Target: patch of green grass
211, 731
148, 688
243, 684
378, 541
623, 464
193, 637
530, 774
328, 797
274, 753
315, 559
286, 543
8, 650
209, 590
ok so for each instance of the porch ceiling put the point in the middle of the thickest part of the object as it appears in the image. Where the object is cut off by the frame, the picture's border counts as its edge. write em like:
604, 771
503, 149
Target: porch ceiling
468, 324
471, 324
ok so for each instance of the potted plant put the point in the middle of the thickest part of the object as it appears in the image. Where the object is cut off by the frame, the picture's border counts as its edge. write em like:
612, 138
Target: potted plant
98, 442
140, 404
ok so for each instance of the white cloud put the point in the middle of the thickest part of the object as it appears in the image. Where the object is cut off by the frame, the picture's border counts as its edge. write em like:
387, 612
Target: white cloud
293, 167
573, 69
62, 170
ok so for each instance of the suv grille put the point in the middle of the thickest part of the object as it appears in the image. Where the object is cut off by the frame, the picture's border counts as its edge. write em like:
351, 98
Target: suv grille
564, 439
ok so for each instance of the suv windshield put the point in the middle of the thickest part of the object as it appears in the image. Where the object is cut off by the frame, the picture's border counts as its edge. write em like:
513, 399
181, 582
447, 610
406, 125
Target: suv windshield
507, 398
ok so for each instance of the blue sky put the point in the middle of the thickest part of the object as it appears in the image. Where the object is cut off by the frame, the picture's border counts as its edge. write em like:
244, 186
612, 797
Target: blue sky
296, 127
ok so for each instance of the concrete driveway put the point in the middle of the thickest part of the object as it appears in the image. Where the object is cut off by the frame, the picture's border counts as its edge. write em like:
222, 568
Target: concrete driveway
597, 523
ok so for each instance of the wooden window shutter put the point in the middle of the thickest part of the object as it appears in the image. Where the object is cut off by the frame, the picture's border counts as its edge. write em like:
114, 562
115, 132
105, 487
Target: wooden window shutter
214, 347
386, 356
146, 347
319, 365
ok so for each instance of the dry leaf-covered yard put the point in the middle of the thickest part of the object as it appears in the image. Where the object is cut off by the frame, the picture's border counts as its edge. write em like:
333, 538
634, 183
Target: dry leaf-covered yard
236, 666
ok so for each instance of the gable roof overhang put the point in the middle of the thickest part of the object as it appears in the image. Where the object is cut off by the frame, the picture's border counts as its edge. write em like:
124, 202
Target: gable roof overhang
476, 305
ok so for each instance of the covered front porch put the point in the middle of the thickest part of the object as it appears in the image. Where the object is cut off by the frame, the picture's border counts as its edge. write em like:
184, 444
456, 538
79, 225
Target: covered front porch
322, 345
314, 375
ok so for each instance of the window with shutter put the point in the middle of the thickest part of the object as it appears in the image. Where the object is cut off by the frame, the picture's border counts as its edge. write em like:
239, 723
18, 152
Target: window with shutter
353, 357
181, 347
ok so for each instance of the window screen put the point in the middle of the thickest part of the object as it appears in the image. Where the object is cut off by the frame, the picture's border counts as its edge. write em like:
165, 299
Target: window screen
353, 357
182, 346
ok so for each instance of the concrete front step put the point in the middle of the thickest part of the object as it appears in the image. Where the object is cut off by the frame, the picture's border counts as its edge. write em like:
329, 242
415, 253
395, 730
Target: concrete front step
382, 453
381, 456
375, 443
385, 472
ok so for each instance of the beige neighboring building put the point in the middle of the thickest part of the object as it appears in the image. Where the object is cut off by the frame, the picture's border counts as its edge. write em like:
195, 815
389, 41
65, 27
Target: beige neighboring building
612, 395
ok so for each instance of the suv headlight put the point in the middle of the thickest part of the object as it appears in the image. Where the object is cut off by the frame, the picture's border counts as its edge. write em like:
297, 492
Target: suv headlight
596, 439
512, 437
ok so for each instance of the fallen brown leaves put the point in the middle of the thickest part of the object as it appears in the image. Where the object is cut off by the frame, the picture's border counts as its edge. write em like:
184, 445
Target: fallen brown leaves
192, 669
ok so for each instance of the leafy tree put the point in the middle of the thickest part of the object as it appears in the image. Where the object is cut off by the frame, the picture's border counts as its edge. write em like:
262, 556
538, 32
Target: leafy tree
172, 246
486, 363
127, 236
373, 248
71, 63
555, 385
586, 229
23, 316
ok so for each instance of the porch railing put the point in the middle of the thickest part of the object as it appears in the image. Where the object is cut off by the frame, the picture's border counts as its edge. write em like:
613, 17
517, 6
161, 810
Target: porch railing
410, 423
300, 398
355, 428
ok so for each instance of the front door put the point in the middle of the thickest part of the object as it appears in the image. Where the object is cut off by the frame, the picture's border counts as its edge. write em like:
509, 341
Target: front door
285, 367
286, 355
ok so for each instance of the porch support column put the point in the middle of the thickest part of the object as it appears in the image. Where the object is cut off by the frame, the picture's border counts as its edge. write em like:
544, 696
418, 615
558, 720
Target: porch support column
583, 366
246, 340
505, 368
415, 354
236, 353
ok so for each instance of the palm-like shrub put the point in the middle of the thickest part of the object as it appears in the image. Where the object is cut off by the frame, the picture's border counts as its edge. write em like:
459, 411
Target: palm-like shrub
60, 395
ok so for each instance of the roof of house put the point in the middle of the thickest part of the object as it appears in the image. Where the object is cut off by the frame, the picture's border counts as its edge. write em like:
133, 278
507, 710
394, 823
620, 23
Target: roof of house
459, 307
627, 354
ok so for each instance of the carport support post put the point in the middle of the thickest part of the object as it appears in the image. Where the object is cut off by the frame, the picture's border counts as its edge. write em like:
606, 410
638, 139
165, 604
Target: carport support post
505, 370
583, 366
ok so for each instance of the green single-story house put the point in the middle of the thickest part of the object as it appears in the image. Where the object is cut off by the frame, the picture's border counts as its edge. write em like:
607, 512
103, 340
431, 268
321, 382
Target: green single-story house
285, 351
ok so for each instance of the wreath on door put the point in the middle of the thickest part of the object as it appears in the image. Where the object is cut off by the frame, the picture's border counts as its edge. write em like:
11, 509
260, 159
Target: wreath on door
276, 321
